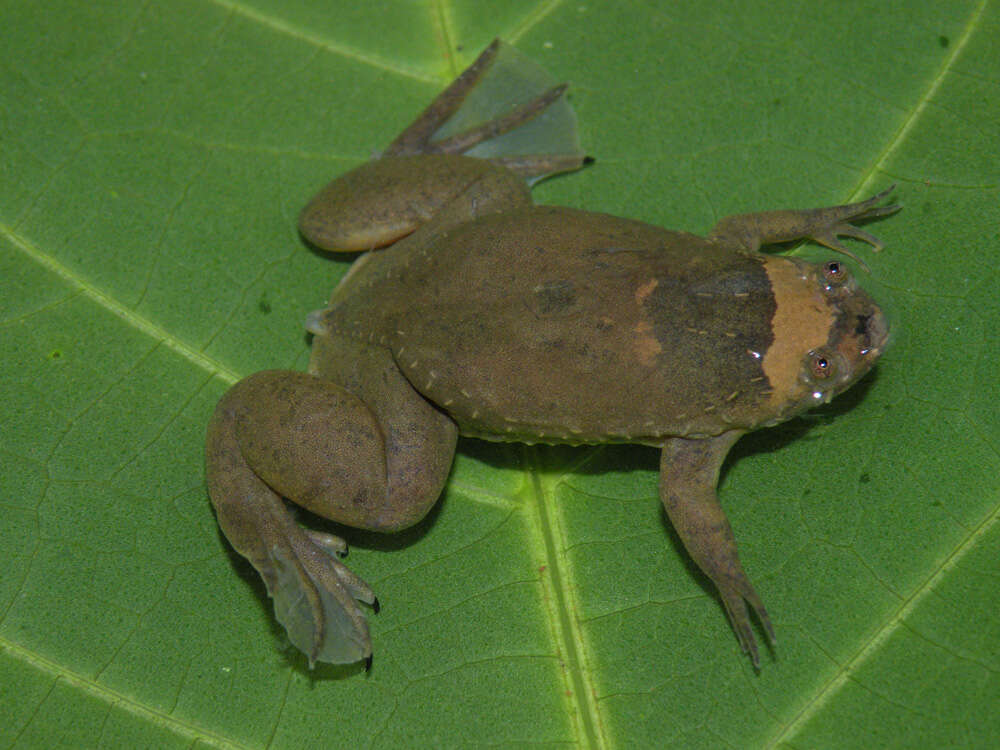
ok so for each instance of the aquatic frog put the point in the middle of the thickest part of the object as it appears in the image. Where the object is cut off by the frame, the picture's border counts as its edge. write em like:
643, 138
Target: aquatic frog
485, 315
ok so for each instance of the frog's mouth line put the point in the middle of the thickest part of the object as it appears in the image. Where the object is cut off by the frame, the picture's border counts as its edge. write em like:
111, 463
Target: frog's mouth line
859, 337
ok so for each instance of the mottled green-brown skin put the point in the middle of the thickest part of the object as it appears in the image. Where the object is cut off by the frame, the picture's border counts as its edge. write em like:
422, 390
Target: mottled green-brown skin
488, 316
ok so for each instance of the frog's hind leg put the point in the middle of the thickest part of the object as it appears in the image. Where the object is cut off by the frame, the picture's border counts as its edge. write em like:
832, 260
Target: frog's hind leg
504, 107
502, 124
315, 595
315, 442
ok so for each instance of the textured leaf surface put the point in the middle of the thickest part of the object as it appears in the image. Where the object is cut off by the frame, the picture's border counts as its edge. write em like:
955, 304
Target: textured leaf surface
153, 157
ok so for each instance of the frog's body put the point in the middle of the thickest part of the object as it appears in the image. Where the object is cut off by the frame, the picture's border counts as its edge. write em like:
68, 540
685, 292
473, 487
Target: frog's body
491, 317
643, 316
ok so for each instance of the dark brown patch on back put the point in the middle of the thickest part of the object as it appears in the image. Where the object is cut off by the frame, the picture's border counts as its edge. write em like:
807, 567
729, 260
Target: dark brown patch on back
554, 297
714, 324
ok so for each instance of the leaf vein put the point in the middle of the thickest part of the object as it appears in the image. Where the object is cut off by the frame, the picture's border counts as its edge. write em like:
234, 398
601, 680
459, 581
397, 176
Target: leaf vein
109, 303
111, 698
283, 27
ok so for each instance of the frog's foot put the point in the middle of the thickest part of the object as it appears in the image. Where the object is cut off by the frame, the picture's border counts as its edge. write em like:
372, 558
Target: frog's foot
462, 142
501, 92
837, 223
414, 139
316, 597
735, 594
822, 225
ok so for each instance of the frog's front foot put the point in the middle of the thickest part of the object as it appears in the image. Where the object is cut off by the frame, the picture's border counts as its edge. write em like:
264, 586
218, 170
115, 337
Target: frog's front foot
822, 225
736, 591
836, 221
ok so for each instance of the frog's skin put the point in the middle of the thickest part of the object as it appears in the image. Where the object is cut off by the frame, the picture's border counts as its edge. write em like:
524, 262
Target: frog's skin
485, 315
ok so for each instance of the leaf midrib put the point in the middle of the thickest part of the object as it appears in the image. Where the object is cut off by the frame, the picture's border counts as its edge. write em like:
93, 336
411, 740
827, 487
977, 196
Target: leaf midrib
565, 625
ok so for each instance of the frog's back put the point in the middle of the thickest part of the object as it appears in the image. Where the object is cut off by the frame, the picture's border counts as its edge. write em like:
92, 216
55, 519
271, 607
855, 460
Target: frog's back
553, 324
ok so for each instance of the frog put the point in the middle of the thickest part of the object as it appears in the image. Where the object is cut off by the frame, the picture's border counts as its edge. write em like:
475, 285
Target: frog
473, 311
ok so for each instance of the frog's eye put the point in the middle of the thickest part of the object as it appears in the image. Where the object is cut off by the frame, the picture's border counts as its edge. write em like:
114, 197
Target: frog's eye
835, 273
821, 366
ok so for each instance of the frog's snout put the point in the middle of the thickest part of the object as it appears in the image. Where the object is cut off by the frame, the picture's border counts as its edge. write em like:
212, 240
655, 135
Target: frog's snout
863, 334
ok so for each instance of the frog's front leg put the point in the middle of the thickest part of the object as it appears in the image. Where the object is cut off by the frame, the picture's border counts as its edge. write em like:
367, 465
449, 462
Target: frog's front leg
689, 473
318, 443
822, 225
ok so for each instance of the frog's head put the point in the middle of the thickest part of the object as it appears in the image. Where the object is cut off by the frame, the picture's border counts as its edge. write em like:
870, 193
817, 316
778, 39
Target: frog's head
828, 333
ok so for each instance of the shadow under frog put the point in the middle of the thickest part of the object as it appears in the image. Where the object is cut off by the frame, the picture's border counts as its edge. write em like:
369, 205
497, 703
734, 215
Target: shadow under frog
478, 313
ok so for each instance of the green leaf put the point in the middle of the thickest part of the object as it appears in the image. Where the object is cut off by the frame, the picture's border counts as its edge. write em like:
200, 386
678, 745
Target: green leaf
153, 158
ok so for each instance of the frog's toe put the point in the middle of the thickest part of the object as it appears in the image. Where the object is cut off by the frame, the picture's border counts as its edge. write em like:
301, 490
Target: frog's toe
316, 598
735, 601
330, 542
840, 223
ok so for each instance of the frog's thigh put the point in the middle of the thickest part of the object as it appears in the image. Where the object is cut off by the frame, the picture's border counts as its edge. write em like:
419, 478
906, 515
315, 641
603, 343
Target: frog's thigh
384, 200
417, 440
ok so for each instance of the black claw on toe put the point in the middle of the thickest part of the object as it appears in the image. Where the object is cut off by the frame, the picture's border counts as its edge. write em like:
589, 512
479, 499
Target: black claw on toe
376, 606
368, 663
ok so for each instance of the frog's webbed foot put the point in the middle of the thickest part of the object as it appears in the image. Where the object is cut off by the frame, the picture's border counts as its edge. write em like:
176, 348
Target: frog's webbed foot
503, 107
689, 474
822, 225
316, 597
414, 139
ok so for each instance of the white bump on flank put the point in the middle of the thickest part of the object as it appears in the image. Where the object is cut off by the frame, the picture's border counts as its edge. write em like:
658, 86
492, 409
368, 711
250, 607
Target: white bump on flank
314, 323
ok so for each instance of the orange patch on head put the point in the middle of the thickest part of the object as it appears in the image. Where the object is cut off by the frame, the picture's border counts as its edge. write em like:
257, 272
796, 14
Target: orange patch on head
802, 322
